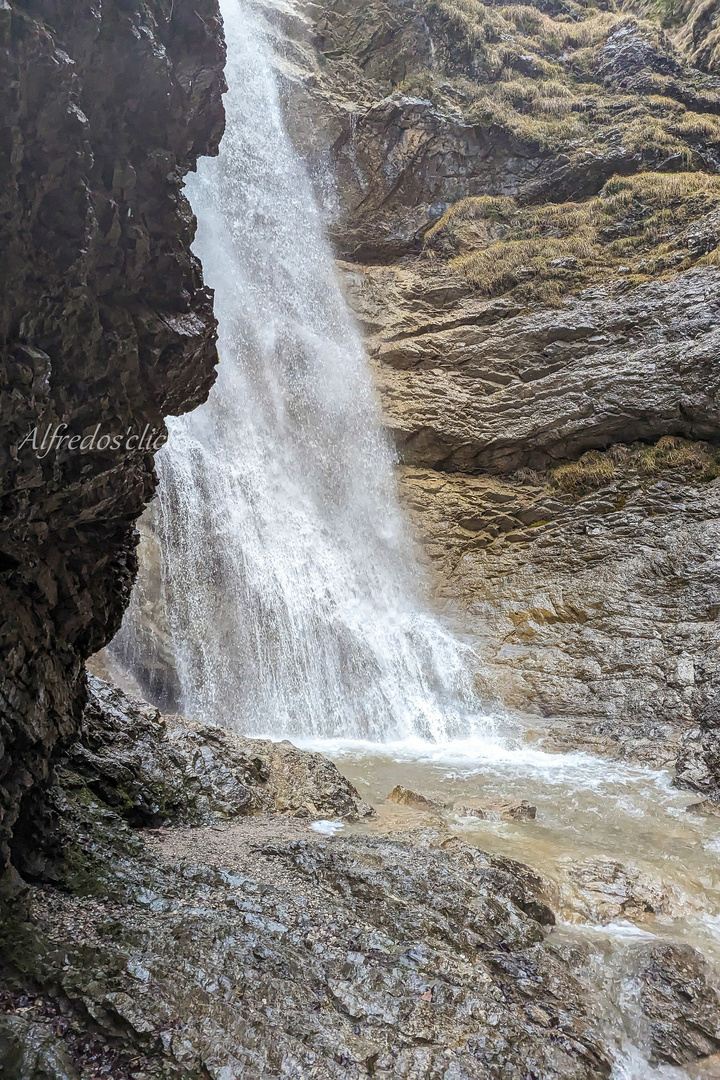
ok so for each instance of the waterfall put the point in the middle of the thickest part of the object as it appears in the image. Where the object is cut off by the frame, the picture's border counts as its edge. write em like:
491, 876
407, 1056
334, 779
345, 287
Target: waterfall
283, 575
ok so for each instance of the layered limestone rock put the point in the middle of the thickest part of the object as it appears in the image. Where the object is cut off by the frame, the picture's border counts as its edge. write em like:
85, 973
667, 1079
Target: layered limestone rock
235, 942
527, 206
105, 328
250, 947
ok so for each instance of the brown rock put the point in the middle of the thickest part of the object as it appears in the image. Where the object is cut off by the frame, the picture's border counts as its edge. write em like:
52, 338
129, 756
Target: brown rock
709, 807
405, 797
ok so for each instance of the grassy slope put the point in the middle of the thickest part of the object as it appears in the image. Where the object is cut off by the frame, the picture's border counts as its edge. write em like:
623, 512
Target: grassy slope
596, 83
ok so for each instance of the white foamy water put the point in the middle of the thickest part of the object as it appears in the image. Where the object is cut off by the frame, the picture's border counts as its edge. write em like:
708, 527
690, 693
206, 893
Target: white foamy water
287, 583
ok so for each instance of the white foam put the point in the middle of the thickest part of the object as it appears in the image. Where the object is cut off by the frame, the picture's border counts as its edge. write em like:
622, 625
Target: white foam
327, 828
502, 758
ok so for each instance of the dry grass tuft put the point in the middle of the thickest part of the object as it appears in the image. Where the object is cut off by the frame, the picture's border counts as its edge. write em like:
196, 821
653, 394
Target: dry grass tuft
696, 461
592, 470
633, 228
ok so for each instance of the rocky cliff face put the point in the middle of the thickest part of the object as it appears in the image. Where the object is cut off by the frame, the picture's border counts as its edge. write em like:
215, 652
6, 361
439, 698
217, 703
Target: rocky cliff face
105, 327
527, 205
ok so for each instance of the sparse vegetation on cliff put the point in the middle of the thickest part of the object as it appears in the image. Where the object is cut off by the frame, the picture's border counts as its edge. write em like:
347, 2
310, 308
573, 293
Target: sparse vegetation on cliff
583, 79
699, 461
637, 228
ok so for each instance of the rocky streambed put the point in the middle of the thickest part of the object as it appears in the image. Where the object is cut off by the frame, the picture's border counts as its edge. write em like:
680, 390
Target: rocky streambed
183, 917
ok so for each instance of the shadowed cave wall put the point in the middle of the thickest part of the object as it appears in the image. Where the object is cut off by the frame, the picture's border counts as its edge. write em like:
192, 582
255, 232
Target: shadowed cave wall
105, 320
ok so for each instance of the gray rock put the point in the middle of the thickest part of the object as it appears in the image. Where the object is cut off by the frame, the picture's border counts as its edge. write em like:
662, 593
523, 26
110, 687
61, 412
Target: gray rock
253, 948
496, 809
604, 889
154, 770
681, 1006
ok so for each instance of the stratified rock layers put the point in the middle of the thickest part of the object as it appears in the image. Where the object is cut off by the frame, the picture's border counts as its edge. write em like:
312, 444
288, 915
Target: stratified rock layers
105, 321
250, 947
532, 237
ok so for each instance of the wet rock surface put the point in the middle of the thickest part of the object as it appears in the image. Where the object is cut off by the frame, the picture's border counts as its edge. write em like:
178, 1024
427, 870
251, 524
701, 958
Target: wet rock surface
681, 1006
405, 797
152, 772
33, 1051
106, 328
252, 947
668, 997
324, 955
495, 809
605, 890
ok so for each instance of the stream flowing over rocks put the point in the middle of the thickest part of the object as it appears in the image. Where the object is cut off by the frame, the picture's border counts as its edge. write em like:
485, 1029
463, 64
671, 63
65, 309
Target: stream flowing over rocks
247, 946
182, 918
491, 849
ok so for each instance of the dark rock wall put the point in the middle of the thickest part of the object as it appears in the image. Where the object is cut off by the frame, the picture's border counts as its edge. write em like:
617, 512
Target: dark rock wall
105, 320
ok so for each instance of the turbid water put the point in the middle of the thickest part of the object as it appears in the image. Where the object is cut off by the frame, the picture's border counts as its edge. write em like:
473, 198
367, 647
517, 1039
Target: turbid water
610, 840
286, 593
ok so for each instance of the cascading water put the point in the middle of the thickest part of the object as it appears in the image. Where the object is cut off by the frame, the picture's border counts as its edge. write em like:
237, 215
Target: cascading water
287, 583
278, 586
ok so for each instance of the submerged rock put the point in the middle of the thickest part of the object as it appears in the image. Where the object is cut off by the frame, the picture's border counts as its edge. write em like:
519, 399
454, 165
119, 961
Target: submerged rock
405, 797
707, 807
496, 809
604, 889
